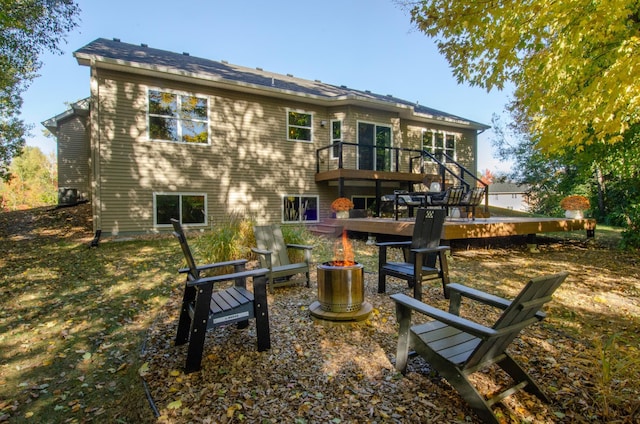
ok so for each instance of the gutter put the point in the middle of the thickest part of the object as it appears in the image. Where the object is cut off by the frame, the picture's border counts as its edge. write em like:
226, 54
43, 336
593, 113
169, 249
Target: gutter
404, 110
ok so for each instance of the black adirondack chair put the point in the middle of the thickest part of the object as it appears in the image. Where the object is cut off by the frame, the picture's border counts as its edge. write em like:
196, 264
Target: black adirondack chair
274, 255
204, 308
456, 347
420, 255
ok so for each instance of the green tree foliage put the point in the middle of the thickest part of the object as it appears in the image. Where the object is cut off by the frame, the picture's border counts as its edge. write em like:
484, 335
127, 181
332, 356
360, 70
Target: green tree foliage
574, 63
609, 175
33, 181
28, 28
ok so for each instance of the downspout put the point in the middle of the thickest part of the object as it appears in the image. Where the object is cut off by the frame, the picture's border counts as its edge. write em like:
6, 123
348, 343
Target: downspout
95, 149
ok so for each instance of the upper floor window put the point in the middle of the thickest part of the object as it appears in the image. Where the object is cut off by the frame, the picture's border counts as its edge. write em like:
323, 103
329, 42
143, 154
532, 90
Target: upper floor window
177, 117
427, 142
299, 126
188, 208
450, 145
438, 143
298, 208
336, 137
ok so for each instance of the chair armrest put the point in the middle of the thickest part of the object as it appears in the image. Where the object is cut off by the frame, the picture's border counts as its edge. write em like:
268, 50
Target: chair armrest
215, 265
460, 323
480, 296
484, 297
431, 249
228, 277
261, 251
394, 244
299, 246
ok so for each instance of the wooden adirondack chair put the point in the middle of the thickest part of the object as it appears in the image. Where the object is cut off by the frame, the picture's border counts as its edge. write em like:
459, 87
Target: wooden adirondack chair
204, 308
421, 254
456, 347
273, 254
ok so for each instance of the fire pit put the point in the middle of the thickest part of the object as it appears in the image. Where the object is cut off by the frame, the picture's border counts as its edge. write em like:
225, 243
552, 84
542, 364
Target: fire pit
340, 291
340, 288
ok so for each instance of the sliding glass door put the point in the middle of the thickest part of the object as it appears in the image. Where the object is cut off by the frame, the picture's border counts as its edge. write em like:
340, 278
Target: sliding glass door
374, 142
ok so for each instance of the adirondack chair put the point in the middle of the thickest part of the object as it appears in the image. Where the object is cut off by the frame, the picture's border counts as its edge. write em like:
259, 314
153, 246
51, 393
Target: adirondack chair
420, 255
274, 255
451, 198
204, 308
456, 347
471, 200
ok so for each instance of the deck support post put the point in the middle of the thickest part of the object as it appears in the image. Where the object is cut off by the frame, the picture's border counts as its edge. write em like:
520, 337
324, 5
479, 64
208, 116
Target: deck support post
532, 243
378, 196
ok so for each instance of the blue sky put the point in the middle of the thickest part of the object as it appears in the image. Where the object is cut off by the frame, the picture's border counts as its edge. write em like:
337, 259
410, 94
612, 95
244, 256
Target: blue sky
363, 44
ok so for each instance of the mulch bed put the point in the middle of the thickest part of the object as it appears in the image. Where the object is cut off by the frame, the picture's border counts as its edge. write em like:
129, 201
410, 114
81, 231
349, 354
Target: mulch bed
317, 373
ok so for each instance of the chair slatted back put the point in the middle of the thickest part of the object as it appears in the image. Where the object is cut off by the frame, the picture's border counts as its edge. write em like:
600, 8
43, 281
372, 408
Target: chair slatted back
453, 196
474, 196
193, 274
269, 237
427, 232
518, 315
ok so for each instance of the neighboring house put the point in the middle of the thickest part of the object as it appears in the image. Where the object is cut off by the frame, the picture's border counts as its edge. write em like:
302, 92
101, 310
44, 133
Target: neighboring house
168, 134
509, 196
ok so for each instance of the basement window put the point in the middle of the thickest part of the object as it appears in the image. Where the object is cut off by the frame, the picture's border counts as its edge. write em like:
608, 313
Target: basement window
188, 208
299, 208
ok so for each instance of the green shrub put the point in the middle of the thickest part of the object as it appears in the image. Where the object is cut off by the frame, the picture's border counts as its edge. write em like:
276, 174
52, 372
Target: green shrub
631, 234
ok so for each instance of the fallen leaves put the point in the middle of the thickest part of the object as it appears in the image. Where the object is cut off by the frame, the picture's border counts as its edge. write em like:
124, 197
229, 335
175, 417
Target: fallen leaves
345, 373
77, 342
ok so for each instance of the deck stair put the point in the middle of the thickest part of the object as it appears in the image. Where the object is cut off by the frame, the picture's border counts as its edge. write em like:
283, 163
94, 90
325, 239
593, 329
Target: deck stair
325, 229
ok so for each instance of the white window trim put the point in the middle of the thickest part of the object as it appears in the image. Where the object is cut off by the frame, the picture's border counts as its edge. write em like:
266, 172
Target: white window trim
432, 148
297, 126
300, 221
376, 124
332, 140
178, 93
180, 193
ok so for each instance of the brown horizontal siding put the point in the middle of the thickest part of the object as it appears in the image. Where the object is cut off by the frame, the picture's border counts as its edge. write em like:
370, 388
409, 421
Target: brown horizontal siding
73, 154
248, 167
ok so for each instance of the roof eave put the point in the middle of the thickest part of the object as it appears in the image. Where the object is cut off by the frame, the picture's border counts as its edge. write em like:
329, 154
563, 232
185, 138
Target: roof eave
403, 110
79, 108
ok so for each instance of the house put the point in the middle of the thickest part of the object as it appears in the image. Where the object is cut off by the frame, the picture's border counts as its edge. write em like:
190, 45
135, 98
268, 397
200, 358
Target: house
509, 196
71, 131
168, 134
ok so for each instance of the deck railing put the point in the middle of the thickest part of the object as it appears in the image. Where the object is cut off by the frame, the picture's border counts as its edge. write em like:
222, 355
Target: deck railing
394, 159
377, 158
391, 159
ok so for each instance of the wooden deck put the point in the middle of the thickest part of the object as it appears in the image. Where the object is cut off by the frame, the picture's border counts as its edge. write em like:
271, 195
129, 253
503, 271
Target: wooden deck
455, 229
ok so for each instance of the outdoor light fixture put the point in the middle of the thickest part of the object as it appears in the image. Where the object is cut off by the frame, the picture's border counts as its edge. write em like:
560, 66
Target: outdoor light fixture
323, 123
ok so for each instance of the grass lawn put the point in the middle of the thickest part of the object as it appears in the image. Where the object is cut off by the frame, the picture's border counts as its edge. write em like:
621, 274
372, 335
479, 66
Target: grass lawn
79, 325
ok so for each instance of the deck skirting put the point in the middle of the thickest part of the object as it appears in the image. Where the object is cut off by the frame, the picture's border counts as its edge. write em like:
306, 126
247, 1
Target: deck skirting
455, 229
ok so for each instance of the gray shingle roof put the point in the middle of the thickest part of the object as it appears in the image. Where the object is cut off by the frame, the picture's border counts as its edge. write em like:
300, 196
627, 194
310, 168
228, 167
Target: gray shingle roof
146, 57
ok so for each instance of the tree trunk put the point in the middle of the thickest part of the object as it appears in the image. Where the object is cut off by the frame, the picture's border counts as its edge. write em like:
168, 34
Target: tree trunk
601, 189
